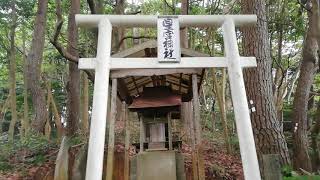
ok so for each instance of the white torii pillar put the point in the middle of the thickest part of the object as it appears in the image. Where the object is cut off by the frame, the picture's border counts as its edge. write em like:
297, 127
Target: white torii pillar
100, 102
103, 63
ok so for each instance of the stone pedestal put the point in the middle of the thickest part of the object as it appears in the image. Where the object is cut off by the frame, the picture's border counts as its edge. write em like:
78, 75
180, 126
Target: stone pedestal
157, 165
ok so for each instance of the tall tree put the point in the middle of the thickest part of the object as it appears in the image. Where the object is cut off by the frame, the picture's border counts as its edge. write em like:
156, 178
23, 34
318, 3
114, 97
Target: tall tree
279, 79
85, 103
184, 31
301, 158
34, 67
119, 32
73, 86
269, 137
25, 122
12, 71
314, 141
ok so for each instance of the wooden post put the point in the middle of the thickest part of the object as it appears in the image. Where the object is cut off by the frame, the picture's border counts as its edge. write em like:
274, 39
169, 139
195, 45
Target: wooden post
197, 125
239, 98
196, 108
113, 113
185, 116
193, 141
271, 167
169, 131
127, 141
142, 135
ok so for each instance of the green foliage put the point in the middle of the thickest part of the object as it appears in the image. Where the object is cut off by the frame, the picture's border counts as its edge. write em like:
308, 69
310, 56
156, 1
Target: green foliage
29, 150
289, 174
287, 171
302, 178
5, 165
37, 159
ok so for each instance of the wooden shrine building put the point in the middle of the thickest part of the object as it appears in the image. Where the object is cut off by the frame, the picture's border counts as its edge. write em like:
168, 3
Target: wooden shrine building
158, 96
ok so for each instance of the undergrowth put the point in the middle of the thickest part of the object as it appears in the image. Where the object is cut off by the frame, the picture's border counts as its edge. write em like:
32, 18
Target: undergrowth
30, 150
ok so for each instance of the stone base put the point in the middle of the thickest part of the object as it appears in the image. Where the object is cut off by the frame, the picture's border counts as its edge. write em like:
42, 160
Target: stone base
157, 165
157, 145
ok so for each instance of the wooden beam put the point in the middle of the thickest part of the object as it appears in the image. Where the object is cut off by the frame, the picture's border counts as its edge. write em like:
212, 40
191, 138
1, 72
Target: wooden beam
154, 80
163, 80
169, 131
150, 72
177, 84
143, 83
127, 141
135, 84
136, 79
111, 129
189, 113
196, 108
201, 79
190, 85
142, 133
180, 82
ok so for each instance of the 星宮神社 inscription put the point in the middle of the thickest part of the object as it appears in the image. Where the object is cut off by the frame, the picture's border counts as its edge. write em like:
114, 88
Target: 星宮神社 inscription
168, 39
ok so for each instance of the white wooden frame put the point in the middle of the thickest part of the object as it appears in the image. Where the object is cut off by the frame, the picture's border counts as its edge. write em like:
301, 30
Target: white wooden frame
103, 63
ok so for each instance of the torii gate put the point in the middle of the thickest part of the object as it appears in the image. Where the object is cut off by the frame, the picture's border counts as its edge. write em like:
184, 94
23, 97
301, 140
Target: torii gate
103, 63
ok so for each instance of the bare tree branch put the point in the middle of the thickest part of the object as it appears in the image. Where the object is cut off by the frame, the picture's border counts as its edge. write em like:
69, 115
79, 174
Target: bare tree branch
92, 6
134, 13
171, 7
55, 38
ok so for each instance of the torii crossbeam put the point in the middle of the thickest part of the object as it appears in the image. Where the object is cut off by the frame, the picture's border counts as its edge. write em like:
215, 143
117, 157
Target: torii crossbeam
103, 63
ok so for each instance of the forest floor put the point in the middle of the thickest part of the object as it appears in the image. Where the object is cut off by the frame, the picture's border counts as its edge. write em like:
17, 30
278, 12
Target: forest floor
27, 164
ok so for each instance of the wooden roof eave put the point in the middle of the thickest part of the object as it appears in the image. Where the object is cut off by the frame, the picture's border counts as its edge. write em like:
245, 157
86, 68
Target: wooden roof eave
139, 50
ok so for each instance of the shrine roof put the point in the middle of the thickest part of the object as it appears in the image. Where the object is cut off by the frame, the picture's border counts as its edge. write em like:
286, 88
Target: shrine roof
153, 97
131, 83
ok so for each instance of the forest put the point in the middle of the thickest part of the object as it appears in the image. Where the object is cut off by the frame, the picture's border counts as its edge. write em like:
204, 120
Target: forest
46, 101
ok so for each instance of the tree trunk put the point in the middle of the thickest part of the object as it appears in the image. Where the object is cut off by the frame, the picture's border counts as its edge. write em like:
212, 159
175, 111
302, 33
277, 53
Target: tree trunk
316, 4
3, 109
12, 72
47, 128
269, 137
85, 104
34, 67
280, 79
314, 141
119, 32
184, 31
57, 119
301, 157
25, 120
220, 94
73, 85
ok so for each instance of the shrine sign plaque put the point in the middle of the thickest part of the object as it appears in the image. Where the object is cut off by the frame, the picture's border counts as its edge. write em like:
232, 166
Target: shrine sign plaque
168, 39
